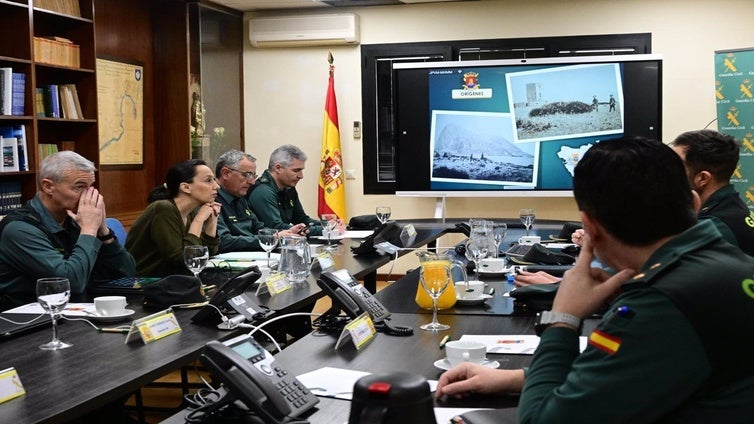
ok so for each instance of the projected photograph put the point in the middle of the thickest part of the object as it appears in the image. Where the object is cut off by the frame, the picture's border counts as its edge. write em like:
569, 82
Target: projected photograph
478, 148
566, 102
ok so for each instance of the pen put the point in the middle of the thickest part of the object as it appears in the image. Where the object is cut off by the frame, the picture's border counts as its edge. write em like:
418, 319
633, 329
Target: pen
113, 330
444, 340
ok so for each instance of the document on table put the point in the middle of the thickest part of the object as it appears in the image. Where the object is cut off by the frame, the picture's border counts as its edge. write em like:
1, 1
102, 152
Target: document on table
71, 309
513, 344
337, 382
241, 260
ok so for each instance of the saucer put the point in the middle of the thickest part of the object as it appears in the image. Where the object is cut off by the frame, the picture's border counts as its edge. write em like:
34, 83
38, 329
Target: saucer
443, 364
332, 238
94, 316
474, 301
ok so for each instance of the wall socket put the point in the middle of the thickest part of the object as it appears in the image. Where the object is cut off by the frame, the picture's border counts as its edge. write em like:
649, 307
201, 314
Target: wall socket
356, 129
350, 174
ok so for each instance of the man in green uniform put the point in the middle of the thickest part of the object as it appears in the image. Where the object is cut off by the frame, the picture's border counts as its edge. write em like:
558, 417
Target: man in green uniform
711, 158
275, 200
674, 344
237, 225
60, 232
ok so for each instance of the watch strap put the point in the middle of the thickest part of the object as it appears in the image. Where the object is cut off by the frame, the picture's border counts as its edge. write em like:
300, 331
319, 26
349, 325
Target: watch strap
109, 236
547, 318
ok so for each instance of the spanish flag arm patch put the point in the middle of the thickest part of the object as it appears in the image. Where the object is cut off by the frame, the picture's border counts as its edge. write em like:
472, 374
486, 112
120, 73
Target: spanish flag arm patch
604, 342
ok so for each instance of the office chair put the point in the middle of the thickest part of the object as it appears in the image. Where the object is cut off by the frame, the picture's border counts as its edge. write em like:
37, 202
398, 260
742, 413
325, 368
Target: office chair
117, 227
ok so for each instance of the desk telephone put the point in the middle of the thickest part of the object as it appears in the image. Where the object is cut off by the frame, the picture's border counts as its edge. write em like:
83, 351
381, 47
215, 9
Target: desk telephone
254, 377
350, 296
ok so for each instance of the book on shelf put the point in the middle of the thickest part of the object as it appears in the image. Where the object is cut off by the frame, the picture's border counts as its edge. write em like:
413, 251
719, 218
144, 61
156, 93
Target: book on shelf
10, 196
69, 7
51, 100
18, 96
39, 100
57, 51
68, 101
9, 146
68, 145
19, 132
46, 149
6, 90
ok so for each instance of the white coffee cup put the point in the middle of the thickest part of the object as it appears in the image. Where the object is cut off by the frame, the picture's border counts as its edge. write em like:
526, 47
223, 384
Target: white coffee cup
529, 240
459, 351
474, 290
110, 305
491, 265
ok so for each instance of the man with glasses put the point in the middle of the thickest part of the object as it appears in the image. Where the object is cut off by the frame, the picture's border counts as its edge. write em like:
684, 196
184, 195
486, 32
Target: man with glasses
275, 199
237, 225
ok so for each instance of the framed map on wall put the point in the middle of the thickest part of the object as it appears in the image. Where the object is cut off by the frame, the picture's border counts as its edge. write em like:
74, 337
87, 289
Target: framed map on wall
120, 105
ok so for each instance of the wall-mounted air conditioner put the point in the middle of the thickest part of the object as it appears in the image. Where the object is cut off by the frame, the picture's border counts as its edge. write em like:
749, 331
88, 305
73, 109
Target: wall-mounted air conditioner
312, 30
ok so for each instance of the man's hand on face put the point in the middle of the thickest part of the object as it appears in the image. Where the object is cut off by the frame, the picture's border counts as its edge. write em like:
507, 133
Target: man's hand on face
90, 215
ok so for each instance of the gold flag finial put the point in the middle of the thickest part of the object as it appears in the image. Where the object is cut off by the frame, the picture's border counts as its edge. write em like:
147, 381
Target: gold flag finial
330, 61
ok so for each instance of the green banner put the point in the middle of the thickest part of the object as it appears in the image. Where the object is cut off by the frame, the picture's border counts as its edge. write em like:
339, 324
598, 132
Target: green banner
734, 93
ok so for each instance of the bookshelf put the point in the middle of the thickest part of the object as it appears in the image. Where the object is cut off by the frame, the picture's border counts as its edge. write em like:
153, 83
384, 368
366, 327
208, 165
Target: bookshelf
66, 27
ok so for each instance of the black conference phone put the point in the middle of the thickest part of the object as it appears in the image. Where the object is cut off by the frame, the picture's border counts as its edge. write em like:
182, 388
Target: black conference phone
350, 296
252, 376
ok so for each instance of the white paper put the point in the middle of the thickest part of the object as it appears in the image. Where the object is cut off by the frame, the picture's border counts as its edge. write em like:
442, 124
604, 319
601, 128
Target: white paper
337, 382
358, 233
71, 310
247, 256
513, 344
443, 415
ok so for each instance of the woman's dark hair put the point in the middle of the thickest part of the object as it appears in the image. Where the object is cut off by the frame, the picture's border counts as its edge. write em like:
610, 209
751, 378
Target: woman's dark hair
182, 172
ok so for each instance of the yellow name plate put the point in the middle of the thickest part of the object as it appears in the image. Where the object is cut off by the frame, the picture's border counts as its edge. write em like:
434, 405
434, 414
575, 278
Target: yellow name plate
273, 285
10, 385
325, 260
360, 331
153, 327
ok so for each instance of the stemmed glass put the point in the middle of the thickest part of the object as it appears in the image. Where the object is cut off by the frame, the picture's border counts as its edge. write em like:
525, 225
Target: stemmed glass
383, 213
435, 279
499, 230
527, 218
330, 220
53, 294
477, 248
268, 240
195, 257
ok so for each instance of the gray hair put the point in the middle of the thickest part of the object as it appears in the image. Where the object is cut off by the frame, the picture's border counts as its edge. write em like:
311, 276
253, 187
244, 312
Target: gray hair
284, 155
54, 166
231, 159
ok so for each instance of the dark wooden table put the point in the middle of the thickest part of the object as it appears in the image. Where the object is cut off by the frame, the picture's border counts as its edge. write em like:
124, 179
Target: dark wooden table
98, 369
385, 354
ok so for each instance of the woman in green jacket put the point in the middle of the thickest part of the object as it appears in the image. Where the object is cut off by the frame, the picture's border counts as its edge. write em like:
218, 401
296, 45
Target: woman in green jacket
182, 212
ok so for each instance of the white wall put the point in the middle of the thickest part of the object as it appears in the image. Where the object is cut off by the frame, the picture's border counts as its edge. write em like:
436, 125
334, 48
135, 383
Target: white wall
284, 88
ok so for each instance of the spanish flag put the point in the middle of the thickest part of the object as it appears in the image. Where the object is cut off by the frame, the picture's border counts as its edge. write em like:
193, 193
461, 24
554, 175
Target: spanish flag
605, 342
332, 190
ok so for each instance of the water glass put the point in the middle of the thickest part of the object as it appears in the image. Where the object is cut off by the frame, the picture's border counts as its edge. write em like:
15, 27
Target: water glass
53, 295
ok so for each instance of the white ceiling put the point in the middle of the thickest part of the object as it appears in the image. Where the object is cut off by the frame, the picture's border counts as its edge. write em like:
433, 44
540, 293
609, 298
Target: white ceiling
258, 5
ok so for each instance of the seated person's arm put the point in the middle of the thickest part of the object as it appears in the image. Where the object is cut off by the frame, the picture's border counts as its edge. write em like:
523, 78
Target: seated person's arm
525, 278
264, 203
28, 250
468, 378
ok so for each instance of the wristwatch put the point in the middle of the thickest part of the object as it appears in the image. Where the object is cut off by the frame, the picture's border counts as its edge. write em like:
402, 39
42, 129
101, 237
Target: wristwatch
110, 235
547, 318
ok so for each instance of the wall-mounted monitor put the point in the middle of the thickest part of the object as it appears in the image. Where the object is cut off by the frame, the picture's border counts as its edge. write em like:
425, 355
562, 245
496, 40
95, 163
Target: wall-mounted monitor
516, 127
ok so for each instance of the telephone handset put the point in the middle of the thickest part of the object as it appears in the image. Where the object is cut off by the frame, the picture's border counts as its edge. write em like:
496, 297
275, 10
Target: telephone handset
254, 377
350, 296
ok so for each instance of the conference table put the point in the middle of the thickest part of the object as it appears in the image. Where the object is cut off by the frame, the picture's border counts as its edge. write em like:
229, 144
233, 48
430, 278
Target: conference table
100, 368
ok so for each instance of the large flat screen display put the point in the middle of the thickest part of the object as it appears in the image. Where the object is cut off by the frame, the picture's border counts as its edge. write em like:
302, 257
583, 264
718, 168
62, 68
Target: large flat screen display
516, 127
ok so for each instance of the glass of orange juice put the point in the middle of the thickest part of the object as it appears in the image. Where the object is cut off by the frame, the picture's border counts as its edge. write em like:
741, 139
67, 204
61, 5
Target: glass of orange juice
435, 264
435, 280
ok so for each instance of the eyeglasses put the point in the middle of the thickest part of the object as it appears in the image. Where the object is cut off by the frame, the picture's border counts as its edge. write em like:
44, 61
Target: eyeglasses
248, 175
